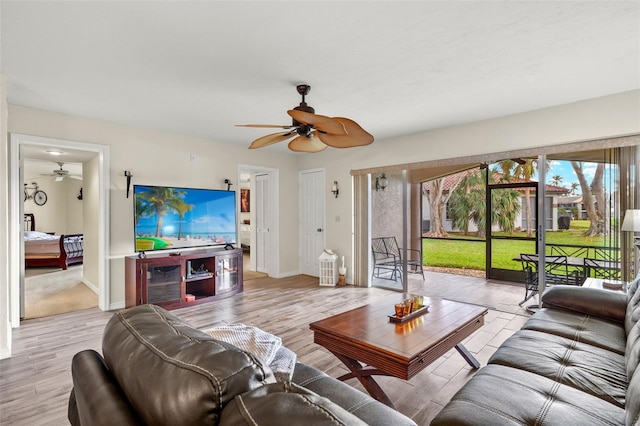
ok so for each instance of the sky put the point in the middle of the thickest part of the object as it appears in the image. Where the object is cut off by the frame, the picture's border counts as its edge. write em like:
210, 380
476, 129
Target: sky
564, 169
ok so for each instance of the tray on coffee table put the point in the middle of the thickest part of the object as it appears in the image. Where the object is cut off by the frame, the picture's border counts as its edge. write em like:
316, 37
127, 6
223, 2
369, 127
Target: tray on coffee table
412, 315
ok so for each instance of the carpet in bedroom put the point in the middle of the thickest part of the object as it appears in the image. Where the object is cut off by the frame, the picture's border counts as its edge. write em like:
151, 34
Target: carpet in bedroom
56, 292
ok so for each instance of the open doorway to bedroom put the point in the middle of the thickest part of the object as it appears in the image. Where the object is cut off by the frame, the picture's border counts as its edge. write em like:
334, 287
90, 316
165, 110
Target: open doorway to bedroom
73, 201
53, 215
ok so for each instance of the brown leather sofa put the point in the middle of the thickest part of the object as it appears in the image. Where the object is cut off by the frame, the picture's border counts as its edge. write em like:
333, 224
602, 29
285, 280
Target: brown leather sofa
157, 370
575, 362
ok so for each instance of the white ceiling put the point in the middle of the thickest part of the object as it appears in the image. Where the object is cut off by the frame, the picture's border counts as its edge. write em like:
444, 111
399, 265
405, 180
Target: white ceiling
198, 68
40, 163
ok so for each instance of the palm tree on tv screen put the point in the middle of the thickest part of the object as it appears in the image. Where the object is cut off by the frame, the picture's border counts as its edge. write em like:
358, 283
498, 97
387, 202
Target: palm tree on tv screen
160, 198
181, 208
143, 209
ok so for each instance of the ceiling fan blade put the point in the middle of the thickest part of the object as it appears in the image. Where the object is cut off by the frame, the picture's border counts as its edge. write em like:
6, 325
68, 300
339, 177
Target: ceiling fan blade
271, 139
356, 135
305, 144
320, 122
265, 126
75, 177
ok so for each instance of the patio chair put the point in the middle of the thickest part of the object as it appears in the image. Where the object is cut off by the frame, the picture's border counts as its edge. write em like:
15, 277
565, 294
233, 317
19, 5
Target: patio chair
556, 271
385, 262
605, 269
387, 259
530, 269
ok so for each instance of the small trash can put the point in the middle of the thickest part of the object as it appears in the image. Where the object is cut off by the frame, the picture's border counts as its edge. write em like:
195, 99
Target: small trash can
328, 268
564, 222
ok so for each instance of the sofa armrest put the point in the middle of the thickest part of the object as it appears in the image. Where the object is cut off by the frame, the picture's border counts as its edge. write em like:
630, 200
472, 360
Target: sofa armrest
96, 398
600, 303
361, 405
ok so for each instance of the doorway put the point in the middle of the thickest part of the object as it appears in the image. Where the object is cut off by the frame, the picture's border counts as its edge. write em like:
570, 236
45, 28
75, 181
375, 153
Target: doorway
95, 228
52, 287
312, 220
258, 208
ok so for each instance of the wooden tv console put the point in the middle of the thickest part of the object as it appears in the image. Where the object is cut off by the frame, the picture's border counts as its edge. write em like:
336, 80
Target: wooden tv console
175, 280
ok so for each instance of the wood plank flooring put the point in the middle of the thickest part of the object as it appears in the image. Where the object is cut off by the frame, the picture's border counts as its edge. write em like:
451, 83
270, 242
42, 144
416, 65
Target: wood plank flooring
36, 381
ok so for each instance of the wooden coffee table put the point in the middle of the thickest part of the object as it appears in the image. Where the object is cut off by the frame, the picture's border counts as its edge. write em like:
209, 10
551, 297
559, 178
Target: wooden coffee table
369, 344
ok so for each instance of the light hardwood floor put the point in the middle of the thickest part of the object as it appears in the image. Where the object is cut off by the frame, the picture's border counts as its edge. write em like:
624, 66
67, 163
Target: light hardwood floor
35, 382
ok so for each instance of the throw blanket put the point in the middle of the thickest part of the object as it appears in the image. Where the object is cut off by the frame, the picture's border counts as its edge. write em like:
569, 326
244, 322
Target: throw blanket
264, 346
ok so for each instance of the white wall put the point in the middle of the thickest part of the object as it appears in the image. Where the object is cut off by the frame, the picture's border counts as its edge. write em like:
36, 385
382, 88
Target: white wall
5, 324
609, 116
62, 213
91, 219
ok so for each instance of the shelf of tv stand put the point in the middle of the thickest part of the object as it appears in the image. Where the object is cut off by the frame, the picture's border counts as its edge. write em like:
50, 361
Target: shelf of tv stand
198, 277
224, 277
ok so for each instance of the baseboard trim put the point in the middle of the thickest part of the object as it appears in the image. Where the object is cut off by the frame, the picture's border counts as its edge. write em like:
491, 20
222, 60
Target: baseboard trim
286, 274
116, 306
91, 286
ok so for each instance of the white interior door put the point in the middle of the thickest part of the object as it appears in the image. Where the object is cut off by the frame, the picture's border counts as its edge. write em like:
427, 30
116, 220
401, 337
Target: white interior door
312, 220
262, 222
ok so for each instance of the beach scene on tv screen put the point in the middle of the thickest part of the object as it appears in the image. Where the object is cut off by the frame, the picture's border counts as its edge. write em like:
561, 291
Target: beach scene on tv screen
170, 218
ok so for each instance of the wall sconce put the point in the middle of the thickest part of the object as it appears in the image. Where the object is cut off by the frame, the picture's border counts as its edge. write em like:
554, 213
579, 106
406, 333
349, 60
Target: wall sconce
381, 182
334, 189
128, 174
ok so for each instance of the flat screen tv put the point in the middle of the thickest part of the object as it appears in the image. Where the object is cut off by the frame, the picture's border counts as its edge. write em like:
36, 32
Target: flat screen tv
176, 218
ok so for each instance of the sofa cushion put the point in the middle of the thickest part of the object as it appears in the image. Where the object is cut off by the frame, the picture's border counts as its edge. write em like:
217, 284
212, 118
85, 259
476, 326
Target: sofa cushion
632, 354
580, 327
500, 395
633, 304
608, 305
279, 404
191, 375
633, 398
584, 367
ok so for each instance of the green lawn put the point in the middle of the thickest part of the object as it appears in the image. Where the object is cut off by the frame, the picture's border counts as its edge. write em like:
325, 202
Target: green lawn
454, 253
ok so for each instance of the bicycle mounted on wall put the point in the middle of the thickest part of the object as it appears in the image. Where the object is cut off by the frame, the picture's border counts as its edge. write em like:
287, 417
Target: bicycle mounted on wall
38, 196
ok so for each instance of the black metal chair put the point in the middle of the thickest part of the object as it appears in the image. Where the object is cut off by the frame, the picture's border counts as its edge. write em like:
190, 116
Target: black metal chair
387, 259
556, 271
385, 262
530, 269
605, 269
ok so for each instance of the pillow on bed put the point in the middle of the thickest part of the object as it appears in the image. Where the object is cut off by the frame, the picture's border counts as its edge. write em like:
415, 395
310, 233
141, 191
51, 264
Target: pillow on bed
37, 235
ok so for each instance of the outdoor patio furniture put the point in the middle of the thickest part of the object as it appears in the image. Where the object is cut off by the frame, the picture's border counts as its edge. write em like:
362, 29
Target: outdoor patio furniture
556, 272
387, 259
530, 269
605, 269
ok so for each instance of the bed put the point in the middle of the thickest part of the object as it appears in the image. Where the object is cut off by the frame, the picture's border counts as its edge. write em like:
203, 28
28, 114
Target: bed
44, 249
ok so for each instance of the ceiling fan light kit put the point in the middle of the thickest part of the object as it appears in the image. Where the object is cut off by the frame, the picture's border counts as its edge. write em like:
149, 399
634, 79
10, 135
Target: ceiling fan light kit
60, 174
313, 132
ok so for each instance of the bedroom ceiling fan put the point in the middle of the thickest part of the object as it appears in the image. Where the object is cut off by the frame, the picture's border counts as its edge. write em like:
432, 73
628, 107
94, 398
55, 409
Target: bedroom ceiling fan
313, 132
60, 173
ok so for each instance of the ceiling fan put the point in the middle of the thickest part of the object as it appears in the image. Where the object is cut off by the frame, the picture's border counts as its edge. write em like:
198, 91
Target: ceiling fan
60, 173
313, 132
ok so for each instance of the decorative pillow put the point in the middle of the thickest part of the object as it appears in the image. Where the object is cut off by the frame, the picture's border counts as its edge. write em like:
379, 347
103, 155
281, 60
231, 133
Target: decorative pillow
172, 373
281, 404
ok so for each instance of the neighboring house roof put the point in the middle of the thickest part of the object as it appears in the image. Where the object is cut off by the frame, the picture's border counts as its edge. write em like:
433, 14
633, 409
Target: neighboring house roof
451, 181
